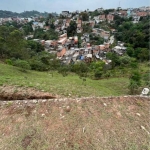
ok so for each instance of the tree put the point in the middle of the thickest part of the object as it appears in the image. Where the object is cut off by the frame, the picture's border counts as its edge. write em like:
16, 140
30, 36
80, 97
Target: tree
17, 45
135, 82
114, 57
28, 28
97, 68
84, 16
63, 70
125, 60
130, 51
98, 73
71, 30
142, 54
2, 47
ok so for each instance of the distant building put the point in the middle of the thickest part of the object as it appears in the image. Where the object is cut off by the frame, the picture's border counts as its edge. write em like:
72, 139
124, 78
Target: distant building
65, 13
100, 9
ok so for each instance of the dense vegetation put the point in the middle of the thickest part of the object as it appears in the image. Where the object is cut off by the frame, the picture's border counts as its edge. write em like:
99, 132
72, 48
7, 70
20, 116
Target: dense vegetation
136, 37
13, 47
25, 14
49, 35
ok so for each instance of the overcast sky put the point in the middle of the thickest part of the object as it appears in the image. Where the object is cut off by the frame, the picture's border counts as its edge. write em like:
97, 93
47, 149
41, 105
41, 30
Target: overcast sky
70, 5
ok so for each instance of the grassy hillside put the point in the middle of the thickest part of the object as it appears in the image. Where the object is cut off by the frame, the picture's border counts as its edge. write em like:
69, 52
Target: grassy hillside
120, 123
55, 83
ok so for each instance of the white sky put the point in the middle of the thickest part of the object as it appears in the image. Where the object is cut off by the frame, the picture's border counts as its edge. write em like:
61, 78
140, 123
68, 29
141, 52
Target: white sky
70, 5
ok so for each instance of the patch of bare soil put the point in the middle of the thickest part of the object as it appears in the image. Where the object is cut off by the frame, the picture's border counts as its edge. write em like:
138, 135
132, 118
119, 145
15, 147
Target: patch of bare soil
20, 93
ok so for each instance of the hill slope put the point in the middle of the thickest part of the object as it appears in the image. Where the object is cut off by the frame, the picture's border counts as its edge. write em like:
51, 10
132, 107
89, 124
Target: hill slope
55, 83
116, 123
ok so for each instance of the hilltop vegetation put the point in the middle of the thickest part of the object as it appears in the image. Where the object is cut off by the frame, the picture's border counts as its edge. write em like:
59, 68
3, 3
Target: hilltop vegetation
25, 14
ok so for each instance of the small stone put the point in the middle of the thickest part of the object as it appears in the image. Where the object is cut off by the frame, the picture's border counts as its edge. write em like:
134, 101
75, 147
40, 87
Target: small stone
34, 111
138, 114
35, 101
118, 114
62, 117
83, 130
43, 115
43, 101
104, 104
142, 127
25, 102
68, 109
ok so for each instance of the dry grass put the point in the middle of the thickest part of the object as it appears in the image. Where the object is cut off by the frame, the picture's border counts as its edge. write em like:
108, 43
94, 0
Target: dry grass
81, 124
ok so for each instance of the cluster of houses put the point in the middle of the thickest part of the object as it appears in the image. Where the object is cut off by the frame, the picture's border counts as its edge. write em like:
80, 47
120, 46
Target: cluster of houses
19, 20
67, 48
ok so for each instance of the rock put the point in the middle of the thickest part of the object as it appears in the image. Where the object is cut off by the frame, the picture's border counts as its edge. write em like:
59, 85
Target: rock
138, 114
34, 101
43, 115
34, 111
145, 91
43, 101
118, 114
104, 104
83, 130
68, 109
55, 100
25, 102
62, 117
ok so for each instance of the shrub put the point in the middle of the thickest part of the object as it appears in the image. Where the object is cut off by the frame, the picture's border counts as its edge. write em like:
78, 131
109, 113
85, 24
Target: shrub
9, 61
63, 70
135, 82
98, 73
22, 64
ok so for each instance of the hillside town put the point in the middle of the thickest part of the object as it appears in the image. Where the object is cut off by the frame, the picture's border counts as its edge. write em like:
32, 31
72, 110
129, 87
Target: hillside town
79, 46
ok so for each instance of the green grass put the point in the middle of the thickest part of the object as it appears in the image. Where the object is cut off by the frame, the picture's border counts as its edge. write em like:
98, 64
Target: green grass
63, 86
